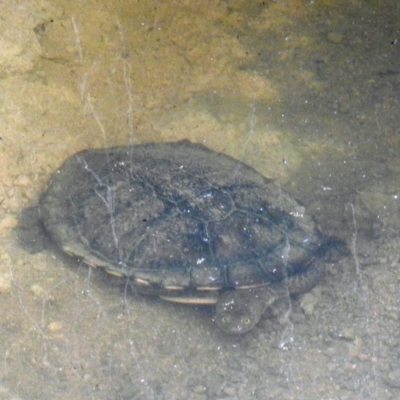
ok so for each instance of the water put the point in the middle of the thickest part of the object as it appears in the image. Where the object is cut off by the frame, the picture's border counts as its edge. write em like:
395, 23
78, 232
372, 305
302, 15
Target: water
305, 92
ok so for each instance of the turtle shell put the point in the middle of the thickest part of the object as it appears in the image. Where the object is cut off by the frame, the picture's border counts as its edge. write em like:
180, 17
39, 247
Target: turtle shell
180, 220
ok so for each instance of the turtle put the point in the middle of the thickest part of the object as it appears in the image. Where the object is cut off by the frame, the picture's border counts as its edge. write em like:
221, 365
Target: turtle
185, 223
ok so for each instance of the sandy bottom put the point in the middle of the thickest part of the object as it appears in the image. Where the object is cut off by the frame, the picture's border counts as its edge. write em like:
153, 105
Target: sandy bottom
306, 93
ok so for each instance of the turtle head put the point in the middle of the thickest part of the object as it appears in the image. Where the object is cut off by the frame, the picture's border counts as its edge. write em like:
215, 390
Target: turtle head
237, 311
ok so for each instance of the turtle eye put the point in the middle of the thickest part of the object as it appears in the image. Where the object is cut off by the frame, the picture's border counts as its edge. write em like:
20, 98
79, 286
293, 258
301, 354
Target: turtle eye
247, 321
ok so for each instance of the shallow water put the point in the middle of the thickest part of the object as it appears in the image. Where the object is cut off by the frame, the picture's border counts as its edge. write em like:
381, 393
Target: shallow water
305, 92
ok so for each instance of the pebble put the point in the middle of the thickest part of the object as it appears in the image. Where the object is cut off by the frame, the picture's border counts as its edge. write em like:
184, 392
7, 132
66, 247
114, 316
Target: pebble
38, 290
55, 326
308, 303
9, 221
5, 275
5, 283
22, 180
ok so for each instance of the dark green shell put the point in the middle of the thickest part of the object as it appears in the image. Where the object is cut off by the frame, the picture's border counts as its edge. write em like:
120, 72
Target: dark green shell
178, 219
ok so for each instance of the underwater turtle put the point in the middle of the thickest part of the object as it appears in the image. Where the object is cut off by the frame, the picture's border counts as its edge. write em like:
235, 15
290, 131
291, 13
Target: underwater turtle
185, 223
